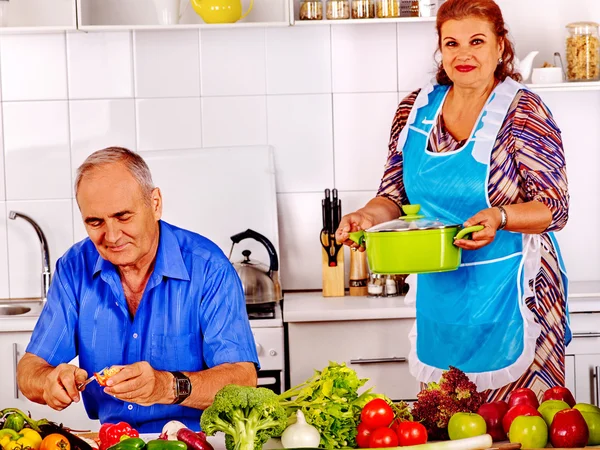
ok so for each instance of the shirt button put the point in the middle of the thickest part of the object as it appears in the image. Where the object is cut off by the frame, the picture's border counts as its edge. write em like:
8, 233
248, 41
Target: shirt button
130, 407
117, 303
135, 335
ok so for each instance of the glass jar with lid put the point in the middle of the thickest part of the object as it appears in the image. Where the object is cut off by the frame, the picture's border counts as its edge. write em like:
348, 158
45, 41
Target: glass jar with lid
583, 51
388, 8
338, 9
363, 9
311, 10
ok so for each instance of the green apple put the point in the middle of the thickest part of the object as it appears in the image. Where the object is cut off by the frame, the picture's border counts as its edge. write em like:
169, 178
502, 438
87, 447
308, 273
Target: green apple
529, 431
587, 407
466, 425
592, 419
550, 407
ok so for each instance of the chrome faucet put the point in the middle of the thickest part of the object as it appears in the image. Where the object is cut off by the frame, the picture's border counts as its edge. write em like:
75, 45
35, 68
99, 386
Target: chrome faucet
46, 276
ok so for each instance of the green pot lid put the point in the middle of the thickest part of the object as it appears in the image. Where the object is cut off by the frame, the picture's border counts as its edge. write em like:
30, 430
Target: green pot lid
411, 221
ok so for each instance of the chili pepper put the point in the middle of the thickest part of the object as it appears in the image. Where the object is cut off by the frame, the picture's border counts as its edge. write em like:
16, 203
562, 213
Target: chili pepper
26, 439
111, 434
131, 443
160, 444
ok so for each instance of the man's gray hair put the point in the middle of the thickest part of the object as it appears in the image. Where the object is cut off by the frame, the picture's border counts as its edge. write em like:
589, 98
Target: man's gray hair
111, 155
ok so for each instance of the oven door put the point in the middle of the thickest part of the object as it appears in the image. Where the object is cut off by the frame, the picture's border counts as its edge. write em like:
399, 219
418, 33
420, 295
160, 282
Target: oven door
271, 379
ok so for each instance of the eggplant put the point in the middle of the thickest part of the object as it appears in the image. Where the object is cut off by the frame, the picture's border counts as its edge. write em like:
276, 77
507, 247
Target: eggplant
76, 442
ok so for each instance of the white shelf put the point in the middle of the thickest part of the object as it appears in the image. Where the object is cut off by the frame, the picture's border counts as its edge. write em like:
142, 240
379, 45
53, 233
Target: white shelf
566, 86
114, 15
307, 23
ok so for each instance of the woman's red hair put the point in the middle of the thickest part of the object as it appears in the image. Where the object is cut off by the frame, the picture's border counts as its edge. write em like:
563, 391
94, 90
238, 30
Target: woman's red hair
486, 10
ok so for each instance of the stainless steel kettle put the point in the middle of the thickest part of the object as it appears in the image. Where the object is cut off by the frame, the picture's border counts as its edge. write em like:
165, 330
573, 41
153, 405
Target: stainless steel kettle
261, 283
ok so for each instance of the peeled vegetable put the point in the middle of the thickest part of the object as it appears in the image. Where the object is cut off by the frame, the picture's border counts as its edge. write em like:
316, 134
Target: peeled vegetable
300, 434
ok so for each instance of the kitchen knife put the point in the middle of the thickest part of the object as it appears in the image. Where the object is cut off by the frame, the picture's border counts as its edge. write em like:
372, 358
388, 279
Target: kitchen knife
334, 211
328, 224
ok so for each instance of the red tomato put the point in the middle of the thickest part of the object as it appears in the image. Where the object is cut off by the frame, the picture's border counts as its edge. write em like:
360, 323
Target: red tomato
376, 414
383, 437
411, 433
363, 436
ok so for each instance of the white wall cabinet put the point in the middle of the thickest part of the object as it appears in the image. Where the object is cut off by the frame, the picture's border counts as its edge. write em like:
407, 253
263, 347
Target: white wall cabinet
583, 358
38, 15
375, 349
12, 349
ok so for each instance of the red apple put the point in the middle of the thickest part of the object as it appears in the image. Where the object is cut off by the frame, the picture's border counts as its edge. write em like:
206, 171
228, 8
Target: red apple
523, 396
493, 413
516, 411
568, 429
559, 393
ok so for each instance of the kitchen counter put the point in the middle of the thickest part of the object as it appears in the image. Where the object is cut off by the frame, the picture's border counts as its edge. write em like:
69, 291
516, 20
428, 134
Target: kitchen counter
584, 296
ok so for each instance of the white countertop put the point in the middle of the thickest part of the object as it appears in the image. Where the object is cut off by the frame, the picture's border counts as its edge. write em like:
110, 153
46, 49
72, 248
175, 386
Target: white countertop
584, 296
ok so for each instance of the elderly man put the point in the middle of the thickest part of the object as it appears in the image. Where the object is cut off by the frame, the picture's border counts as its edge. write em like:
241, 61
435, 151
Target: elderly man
162, 302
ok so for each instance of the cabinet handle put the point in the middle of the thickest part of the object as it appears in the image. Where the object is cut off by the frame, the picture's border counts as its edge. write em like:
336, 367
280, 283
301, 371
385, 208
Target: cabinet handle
597, 376
378, 360
16, 361
586, 335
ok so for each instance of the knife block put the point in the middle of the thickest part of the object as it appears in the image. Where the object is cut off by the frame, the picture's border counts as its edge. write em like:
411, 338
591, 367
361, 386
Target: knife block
333, 277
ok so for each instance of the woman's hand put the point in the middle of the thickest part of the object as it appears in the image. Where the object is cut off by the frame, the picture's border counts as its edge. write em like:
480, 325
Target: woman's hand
355, 221
490, 218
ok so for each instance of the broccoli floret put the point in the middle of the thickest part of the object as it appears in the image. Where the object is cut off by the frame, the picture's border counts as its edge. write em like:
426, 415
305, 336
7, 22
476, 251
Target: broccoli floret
248, 416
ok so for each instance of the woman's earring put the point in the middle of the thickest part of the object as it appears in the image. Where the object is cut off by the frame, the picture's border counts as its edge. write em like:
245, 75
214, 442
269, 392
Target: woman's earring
500, 61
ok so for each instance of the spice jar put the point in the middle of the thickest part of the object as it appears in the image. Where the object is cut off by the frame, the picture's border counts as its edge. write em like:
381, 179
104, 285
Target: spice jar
409, 8
311, 10
583, 52
363, 9
388, 8
375, 285
338, 9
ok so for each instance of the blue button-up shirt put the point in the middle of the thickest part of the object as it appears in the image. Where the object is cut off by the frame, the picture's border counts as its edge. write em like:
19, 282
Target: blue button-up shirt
192, 316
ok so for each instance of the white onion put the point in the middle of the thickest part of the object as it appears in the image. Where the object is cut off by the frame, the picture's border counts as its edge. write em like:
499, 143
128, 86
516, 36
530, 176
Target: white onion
300, 434
171, 428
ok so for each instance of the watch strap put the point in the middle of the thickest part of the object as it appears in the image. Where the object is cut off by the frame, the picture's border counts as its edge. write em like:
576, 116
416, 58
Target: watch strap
182, 387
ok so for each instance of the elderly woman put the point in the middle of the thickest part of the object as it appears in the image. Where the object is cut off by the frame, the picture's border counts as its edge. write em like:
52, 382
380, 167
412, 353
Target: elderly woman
477, 147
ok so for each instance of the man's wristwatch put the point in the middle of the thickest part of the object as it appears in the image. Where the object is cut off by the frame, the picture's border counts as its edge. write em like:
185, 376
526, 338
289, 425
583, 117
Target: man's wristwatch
182, 387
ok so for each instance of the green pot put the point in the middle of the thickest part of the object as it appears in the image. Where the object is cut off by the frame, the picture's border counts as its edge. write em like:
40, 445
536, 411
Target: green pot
413, 244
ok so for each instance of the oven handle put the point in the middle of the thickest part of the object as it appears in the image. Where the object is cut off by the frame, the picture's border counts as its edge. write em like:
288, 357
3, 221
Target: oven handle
586, 335
393, 359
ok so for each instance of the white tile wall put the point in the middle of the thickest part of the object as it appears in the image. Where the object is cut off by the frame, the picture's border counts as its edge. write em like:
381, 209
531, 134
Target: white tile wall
323, 97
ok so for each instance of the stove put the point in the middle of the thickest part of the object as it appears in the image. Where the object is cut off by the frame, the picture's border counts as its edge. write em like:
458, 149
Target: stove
261, 310
267, 328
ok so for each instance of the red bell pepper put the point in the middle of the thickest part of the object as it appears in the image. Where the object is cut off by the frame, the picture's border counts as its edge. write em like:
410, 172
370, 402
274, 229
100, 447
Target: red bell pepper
110, 433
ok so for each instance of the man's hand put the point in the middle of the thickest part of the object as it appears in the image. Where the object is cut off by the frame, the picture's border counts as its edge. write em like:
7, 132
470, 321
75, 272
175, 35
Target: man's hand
140, 383
60, 386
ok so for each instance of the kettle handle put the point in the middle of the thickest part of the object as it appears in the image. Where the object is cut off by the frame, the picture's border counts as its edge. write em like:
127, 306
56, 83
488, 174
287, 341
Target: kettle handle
248, 11
251, 234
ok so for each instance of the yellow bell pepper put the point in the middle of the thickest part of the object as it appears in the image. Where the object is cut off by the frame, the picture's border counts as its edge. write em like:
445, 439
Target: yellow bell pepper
24, 440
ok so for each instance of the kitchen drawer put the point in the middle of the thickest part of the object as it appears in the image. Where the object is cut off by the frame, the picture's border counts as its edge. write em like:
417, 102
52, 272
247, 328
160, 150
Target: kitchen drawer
586, 334
375, 349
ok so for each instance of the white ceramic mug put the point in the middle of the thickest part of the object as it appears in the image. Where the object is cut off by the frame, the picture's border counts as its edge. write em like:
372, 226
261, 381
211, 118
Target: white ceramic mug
167, 12
547, 75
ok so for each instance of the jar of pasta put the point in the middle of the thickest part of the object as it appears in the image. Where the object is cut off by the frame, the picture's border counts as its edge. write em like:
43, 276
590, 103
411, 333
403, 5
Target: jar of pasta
363, 9
311, 10
338, 9
583, 51
388, 8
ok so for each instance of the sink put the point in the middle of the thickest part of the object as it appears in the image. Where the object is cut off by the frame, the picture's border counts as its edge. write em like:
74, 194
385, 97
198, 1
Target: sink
13, 310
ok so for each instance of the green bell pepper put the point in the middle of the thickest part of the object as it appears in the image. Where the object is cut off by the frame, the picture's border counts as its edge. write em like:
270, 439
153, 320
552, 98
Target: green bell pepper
161, 444
14, 421
130, 443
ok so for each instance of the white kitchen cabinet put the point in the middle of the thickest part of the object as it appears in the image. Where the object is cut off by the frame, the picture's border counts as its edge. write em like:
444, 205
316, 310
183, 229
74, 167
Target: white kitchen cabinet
583, 358
12, 349
375, 349
142, 14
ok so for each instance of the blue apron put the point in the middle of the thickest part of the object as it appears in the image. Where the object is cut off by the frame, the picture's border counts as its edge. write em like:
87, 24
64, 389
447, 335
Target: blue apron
474, 318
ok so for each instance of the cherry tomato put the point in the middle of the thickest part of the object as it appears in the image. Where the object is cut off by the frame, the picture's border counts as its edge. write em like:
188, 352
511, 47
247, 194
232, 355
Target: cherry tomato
376, 414
383, 437
411, 433
363, 436
55, 441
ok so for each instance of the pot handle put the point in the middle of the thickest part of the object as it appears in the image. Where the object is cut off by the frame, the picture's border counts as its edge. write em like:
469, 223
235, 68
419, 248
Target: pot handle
358, 237
251, 234
462, 233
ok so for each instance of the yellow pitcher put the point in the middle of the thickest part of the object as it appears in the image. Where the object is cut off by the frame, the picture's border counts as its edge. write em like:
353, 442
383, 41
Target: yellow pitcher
220, 11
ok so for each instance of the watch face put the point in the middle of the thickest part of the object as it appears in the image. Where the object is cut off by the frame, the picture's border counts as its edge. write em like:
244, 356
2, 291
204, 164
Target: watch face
183, 387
